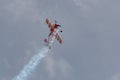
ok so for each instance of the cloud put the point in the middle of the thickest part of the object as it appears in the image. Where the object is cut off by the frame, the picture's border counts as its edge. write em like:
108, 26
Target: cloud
57, 67
50, 65
23, 9
115, 77
87, 7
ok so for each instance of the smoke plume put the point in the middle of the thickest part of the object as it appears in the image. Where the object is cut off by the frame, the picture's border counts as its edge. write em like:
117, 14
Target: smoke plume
29, 68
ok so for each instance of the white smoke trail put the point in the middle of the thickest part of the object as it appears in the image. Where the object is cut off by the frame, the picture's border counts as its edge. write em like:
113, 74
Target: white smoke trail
29, 68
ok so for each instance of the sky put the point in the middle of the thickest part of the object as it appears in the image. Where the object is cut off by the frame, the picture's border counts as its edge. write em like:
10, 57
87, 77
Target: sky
91, 39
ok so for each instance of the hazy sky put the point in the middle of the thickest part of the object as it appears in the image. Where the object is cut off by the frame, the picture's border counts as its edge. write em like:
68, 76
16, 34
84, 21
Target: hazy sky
91, 38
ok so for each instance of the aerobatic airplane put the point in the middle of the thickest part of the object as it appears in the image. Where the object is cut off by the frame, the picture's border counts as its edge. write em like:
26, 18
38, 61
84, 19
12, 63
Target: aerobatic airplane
54, 33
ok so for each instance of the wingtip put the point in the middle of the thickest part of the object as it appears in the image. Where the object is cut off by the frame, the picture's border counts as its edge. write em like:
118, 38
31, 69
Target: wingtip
47, 21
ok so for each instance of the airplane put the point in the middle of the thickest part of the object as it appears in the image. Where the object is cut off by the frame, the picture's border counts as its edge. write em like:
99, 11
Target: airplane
54, 33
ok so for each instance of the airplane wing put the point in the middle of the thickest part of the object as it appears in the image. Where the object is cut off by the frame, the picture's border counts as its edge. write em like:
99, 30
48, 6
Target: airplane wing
58, 38
48, 23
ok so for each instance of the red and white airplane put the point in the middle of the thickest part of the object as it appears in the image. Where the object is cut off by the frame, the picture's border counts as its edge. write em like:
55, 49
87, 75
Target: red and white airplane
54, 33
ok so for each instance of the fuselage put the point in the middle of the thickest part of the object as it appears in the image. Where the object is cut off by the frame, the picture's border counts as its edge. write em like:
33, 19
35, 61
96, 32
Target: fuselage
52, 37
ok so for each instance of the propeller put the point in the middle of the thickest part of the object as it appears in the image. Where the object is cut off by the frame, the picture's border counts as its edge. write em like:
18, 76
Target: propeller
59, 25
55, 22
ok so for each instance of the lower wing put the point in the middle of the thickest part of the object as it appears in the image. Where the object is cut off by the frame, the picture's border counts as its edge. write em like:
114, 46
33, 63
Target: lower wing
58, 38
